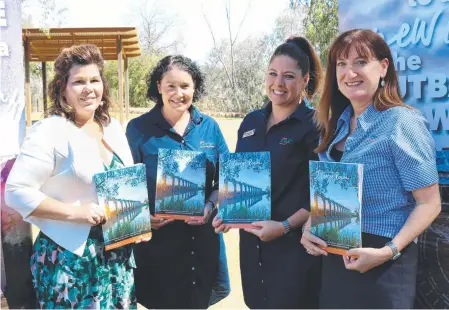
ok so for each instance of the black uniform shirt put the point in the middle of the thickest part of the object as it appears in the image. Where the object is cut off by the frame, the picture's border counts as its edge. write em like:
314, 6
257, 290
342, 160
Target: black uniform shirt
272, 271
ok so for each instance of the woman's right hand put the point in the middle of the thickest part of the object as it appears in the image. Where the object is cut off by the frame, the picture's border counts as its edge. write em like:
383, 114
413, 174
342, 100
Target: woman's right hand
219, 226
90, 213
312, 243
158, 222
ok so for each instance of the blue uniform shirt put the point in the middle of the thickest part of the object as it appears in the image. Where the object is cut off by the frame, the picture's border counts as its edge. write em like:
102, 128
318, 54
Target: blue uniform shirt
398, 154
151, 131
182, 258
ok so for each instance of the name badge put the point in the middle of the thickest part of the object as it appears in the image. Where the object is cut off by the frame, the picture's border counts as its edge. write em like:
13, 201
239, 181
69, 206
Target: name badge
248, 133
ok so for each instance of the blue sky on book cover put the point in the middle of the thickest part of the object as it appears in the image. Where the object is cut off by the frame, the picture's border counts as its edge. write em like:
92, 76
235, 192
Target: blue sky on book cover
245, 187
335, 198
123, 193
180, 185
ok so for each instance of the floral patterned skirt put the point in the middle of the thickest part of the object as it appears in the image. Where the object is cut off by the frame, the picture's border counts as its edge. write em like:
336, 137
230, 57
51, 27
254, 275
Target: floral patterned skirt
99, 279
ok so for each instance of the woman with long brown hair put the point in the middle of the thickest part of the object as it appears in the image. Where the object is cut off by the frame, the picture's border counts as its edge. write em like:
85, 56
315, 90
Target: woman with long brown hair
364, 120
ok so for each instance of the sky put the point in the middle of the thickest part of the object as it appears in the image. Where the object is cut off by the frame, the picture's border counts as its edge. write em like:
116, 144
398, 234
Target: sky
190, 25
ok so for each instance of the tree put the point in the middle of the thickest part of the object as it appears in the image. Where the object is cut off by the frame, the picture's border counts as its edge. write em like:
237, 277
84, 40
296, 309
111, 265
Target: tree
229, 66
249, 70
320, 23
139, 68
155, 26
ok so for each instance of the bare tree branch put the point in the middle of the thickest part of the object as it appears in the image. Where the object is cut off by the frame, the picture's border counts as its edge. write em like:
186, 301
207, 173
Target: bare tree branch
216, 49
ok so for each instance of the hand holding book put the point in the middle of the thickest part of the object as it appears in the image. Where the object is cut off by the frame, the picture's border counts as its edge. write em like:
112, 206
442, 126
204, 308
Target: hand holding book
364, 259
158, 222
313, 245
266, 230
207, 212
90, 213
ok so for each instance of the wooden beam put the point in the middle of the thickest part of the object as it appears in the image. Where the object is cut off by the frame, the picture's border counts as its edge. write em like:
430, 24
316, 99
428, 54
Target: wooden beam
120, 77
44, 86
62, 36
126, 89
92, 30
57, 44
27, 83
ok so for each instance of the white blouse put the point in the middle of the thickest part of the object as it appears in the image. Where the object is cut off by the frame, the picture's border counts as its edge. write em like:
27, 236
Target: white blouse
58, 160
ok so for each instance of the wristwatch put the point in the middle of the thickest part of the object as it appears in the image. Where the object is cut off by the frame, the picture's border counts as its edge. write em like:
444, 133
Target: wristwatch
394, 249
286, 225
213, 204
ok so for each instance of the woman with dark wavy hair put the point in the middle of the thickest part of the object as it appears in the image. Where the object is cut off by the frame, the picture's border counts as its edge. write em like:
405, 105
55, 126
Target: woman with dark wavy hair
180, 266
364, 120
51, 186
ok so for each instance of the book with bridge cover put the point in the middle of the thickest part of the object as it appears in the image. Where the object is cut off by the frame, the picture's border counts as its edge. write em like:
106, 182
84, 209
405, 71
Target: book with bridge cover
245, 188
335, 204
123, 193
180, 184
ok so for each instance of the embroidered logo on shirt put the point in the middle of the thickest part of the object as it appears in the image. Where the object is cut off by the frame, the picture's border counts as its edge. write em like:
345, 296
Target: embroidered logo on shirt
248, 133
285, 141
206, 145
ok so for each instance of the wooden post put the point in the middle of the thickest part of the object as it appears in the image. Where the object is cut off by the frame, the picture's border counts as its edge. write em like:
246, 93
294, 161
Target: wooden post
44, 86
126, 89
120, 77
27, 82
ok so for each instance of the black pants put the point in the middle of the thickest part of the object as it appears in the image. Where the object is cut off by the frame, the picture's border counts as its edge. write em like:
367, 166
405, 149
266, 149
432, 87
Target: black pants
390, 285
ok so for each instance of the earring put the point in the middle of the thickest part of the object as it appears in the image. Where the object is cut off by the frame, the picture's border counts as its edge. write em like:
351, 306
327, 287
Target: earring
382, 82
101, 103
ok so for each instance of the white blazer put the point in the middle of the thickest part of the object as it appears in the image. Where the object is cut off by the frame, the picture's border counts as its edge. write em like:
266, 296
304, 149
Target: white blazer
58, 160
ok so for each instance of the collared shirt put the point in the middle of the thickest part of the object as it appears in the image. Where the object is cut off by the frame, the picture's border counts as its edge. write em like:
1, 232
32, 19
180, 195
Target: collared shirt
265, 266
187, 255
398, 156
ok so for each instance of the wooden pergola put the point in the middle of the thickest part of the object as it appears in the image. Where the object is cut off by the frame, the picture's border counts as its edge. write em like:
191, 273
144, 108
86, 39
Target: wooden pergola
118, 43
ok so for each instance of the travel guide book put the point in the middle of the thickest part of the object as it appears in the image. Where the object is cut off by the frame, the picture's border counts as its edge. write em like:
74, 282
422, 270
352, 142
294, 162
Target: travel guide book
123, 193
180, 184
244, 188
336, 202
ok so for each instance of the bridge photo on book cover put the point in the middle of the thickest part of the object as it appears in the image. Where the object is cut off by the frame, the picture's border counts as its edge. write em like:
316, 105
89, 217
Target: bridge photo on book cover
180, 185
335, 197
123, 192
245, 187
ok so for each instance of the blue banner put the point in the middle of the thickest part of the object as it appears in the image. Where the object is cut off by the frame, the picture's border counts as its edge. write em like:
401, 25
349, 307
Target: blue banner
417, 32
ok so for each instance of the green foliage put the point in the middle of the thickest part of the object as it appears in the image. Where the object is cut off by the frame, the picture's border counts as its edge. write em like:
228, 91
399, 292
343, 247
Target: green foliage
242, 213
333, 235
320, 23
127, 229
232, 164
322, 173
108, 183
139, 68
179, 206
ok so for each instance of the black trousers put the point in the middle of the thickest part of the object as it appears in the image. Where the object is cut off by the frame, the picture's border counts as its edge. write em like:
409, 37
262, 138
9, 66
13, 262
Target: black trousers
388, 286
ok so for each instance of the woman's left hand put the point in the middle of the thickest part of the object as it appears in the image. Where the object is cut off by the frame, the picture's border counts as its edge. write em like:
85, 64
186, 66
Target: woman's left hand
365, 259
267, 230
204, 219
142, 240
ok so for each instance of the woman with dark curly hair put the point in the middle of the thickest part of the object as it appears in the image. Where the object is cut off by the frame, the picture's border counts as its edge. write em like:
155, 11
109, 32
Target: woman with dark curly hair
179, 268
51, 186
